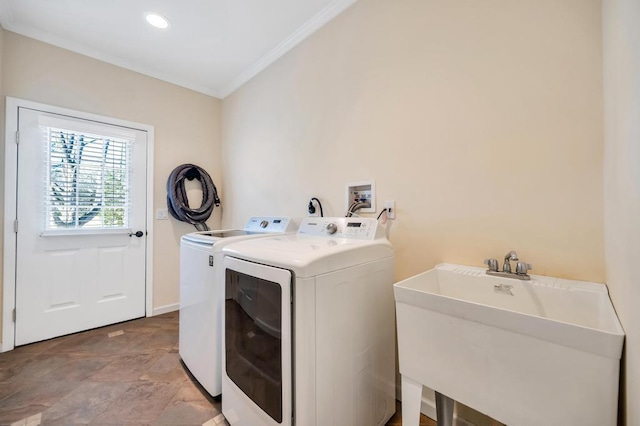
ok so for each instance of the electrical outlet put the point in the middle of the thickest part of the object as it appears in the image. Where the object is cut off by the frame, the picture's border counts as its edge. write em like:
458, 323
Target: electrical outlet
391, 209
313, 208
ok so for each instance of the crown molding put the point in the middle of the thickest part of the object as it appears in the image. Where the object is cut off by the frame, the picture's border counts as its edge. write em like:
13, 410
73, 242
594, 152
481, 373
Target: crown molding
309, 27
315, 23
79, 48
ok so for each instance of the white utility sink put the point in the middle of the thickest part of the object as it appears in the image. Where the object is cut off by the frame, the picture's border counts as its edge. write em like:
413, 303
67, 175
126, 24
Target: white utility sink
544, 351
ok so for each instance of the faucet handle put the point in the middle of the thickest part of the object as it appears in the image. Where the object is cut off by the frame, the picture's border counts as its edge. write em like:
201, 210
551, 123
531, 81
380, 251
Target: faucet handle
492, 264
522, 268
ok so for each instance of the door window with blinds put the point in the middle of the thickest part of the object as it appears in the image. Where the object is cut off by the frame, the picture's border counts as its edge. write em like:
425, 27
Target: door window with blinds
87, 177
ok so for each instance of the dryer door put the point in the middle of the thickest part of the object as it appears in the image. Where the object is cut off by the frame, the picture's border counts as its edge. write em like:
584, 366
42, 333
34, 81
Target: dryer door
257, 336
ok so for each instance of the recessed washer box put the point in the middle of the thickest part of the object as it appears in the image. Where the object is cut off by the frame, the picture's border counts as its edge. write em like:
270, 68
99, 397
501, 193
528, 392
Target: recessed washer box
363, 191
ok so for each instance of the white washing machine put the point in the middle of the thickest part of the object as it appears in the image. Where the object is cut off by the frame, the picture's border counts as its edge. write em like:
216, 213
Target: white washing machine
202, 294
309, 327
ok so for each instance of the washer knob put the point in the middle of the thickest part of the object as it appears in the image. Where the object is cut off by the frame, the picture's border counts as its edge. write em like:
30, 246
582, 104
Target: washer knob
331, 228
264, 224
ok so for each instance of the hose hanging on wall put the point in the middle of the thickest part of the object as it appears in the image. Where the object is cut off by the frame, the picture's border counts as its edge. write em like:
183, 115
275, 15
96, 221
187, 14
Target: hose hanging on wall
178, 203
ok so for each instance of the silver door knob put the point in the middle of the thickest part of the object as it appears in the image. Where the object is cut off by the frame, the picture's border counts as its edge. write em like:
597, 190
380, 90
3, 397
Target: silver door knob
331, 228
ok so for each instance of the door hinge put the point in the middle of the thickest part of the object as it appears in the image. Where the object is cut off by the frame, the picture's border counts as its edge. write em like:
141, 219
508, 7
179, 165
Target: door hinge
17, 137
15, 226
14, 314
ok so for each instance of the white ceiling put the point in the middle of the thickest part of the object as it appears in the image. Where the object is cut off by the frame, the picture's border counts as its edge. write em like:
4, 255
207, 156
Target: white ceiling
212, 46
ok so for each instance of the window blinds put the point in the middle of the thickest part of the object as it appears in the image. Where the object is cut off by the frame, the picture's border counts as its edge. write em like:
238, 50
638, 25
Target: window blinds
87, 180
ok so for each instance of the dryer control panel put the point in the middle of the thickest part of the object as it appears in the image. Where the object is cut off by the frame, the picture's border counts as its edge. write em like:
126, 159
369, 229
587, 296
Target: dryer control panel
360, 228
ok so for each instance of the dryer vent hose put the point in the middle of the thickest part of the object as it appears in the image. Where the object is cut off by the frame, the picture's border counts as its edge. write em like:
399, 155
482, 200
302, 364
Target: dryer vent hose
178, 203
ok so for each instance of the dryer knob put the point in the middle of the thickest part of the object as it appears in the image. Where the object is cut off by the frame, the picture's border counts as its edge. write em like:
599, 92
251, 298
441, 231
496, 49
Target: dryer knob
264, 224
331, 228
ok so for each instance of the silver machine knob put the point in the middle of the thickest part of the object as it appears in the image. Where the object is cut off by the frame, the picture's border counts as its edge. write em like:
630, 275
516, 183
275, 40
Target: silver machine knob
331, 228
264, 223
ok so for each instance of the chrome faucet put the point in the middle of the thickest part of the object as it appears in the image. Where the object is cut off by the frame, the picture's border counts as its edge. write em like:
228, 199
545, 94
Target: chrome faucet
521, 267
512, 255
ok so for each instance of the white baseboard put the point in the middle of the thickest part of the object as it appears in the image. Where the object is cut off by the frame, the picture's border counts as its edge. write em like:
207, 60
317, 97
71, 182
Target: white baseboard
165, 309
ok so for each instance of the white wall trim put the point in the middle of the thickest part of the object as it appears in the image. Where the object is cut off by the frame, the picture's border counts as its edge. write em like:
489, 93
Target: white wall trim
10, 206
150, 220
311, 26
9, 239
165, 309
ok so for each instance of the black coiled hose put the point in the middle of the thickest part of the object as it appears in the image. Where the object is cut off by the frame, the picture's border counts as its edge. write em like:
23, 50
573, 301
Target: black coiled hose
178, 203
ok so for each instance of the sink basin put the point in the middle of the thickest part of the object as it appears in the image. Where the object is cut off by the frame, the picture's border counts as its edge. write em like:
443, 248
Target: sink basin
544, 351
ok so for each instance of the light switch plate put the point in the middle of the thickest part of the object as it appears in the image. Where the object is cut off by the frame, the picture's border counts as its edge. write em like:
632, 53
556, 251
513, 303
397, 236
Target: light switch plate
162, 214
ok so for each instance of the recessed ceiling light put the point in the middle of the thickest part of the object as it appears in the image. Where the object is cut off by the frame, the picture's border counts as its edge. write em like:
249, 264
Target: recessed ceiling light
156, 20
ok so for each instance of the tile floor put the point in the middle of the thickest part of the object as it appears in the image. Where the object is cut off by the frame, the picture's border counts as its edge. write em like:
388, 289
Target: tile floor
128, 373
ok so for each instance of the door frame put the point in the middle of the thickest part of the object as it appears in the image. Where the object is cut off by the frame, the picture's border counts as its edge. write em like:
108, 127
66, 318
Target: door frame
10, 206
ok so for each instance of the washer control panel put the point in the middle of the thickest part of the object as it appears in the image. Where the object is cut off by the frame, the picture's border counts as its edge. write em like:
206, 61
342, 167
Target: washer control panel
360, 228
269, 224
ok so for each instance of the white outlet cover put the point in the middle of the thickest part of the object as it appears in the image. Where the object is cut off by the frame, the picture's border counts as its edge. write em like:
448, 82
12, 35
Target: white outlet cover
390, 205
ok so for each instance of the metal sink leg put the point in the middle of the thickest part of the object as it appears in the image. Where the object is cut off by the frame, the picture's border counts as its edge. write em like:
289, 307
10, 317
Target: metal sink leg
444, 410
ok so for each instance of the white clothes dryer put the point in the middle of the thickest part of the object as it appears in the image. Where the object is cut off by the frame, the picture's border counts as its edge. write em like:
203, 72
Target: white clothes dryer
309, 327
202, 294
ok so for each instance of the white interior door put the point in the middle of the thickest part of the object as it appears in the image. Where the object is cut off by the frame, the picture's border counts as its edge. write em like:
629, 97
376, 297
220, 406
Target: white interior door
81, 198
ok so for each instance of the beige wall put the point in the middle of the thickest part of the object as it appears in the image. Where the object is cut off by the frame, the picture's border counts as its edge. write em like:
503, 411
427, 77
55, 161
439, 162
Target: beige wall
621, 33
187, 125
482, 120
